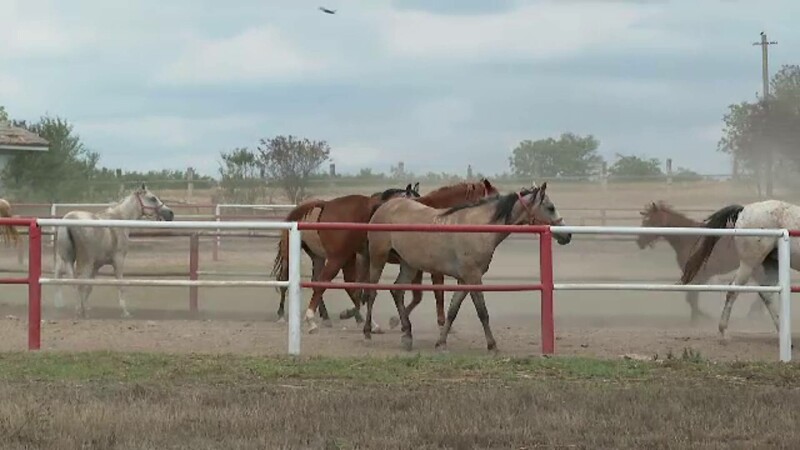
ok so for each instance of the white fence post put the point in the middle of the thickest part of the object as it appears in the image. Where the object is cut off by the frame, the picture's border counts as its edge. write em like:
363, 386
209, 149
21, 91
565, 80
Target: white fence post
294, 290
218, 239
785, 282
53, 209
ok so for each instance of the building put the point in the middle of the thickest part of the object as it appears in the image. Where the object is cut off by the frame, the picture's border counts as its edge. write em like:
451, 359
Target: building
14, 140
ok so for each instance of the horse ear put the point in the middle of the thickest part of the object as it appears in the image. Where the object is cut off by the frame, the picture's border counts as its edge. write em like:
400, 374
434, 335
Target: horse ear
543, 187
416, 187
487, 185
143, 188
408, 187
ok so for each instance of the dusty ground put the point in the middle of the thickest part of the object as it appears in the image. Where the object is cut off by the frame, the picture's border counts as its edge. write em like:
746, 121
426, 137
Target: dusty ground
606, 324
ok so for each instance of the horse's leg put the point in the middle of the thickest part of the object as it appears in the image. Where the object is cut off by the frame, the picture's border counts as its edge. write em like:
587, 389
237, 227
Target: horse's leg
761, 275
350, 274
768, 276
317, 264
407, 273
328, 273
742, 276
483, 315
61, 267
416, 298
361, 275
376, 263
118, 264
452, 312
84, 290
438, 278
692, 299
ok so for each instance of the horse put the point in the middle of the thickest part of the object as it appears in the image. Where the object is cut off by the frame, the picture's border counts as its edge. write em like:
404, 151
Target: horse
463, 256
331, 250
757, 256
82, 251
9, 234
444, 197
723, 260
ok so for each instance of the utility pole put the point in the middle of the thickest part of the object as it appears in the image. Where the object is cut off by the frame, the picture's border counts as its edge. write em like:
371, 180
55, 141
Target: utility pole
764, 43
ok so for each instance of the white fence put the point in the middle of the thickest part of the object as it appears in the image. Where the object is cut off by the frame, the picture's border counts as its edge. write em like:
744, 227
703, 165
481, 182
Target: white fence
293, 284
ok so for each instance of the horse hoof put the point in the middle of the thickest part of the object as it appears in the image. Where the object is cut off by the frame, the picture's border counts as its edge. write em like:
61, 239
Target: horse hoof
368, 336
407, 343
280, 320
327, 323
493, 349
377, 330
313, 329
394, 322
347, 314
441, 347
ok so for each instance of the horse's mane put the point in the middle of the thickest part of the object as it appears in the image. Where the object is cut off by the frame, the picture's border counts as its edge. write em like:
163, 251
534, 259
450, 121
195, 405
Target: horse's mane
503, 205
466, 185
389, 193
665, 207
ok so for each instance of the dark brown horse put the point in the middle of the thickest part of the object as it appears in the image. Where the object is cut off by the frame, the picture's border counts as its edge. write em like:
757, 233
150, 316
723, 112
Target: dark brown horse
339, 245
723, 260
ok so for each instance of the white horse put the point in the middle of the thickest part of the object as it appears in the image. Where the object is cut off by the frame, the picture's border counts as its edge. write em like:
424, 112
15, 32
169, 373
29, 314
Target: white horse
82, 251
757, 255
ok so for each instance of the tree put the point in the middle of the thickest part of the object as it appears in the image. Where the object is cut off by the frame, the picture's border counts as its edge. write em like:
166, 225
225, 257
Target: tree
3, 114
635, 166
570, 155
753, 132
61, 173
241, 176
290, 161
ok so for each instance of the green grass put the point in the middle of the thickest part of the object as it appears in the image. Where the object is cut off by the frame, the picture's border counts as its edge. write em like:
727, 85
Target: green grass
146, 367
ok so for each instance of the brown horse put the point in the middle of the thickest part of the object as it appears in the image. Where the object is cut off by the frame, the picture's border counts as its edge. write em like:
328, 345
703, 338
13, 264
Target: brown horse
341, 246
723, 260
446, 196
9, 233
464, 256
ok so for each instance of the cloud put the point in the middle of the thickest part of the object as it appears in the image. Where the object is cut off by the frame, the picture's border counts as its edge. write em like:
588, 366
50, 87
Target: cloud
442, 114
256, 54
26, 34
541, 30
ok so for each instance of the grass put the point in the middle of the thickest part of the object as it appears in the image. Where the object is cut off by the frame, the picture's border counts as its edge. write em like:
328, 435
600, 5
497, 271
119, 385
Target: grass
137, 400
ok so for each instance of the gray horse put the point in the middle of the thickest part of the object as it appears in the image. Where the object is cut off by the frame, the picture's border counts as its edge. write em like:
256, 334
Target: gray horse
463, 256
82, 251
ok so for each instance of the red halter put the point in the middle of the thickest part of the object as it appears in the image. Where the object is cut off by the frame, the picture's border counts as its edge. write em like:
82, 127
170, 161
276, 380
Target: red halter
145, 208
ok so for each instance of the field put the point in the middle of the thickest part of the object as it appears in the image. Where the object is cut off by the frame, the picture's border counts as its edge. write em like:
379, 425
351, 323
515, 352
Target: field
631, 371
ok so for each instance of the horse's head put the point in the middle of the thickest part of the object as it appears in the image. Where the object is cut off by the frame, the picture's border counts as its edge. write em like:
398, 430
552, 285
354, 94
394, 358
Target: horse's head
151, 206
542, 211
653, 215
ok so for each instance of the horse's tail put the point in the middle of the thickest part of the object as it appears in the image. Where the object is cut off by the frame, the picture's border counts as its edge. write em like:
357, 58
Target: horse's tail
65, 244
9, 232
724, 218
280, 268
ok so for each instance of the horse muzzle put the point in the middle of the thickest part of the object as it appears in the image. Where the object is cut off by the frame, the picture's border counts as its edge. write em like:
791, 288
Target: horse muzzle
166, 214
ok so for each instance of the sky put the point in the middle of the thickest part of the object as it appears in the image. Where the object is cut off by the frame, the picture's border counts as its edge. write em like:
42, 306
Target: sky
439, 85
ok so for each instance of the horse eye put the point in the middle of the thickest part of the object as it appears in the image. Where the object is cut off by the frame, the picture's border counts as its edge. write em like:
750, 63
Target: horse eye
551, 209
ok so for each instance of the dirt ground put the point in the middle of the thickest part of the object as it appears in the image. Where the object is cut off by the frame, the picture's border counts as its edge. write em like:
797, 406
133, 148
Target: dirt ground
242, 320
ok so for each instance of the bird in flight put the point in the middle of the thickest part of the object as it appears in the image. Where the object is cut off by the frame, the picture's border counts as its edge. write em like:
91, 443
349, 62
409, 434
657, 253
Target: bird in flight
326, 10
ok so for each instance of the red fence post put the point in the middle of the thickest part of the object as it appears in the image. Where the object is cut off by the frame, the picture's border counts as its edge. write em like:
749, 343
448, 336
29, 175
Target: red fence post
546, 277
34, 287
194, 264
